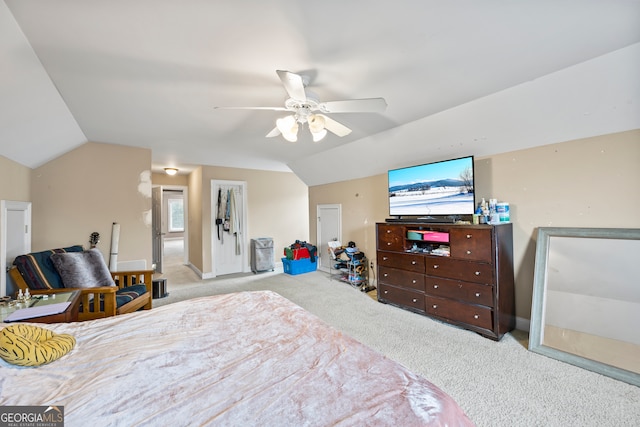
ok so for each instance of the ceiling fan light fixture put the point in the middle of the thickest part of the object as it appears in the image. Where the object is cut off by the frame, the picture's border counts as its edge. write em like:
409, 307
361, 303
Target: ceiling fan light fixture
286, 124
170, 171
316, 123
319, 136
291, 136
288, 127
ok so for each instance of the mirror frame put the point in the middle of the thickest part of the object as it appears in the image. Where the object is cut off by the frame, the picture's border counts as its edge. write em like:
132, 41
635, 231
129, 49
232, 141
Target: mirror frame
545, 236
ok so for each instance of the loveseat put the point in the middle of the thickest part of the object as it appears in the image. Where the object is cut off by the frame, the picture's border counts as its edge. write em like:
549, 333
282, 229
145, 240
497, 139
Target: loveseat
102, 293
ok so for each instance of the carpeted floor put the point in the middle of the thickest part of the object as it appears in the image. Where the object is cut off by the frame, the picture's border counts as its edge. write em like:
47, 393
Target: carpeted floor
496, 383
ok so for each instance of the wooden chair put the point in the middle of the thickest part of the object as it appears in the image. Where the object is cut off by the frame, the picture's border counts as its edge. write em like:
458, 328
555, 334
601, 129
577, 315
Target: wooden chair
130, 291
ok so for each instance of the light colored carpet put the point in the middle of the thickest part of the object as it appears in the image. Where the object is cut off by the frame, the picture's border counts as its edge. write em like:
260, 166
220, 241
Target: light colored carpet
496, 383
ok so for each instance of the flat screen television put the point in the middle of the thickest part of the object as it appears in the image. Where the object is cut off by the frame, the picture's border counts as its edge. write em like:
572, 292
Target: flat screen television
437, 192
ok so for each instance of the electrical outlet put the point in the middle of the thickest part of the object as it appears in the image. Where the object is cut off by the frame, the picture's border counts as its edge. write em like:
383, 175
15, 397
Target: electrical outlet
372, 264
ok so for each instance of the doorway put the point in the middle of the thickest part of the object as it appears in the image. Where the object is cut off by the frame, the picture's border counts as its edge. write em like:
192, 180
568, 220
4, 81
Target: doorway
329, 228
173, 228
15, 238
229, 244
170, 227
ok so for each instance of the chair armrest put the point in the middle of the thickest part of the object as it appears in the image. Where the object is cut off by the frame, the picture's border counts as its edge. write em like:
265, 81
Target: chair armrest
88, 310
128, 278
97, 290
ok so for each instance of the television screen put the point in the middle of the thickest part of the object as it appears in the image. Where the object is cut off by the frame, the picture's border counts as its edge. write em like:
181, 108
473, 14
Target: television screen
443, 189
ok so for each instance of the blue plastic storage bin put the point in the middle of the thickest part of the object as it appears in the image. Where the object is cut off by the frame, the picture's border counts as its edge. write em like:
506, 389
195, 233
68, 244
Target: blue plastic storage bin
300, 266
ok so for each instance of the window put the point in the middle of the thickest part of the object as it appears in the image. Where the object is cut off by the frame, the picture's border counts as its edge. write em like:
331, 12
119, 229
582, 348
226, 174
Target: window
176, 215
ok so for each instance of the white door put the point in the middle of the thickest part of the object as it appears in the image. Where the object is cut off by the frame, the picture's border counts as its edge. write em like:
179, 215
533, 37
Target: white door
329, 228
229, 227
156, 227
15, 238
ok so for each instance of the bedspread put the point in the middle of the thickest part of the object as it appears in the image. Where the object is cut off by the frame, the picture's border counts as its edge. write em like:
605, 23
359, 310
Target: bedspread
248, 358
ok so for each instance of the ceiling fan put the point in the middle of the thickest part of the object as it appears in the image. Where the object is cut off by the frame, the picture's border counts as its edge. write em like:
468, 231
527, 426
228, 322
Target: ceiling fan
305, 107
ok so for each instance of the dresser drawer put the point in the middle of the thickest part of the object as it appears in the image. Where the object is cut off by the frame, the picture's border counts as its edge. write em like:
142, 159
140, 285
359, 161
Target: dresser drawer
474, 293
410, 262
467, 271
401, 278
471, 243
403, 297
470, 314
390, 238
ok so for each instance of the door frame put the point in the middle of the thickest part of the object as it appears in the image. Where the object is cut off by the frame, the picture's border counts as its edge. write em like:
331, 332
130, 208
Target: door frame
185, 209
215, 183
157, 238
5, 206
319, 228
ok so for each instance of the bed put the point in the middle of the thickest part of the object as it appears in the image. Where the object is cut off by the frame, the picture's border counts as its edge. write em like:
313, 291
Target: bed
246, 358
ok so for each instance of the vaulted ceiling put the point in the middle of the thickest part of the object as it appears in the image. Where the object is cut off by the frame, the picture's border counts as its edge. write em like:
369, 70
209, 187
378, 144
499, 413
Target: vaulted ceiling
460, 77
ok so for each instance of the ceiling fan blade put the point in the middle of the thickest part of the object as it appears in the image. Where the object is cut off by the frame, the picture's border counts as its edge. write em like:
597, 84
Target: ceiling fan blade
274, 132
367, 105
293, 84
252, 108
335, 127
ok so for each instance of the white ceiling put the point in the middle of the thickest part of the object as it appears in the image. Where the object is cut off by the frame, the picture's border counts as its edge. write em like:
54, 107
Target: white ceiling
460, 77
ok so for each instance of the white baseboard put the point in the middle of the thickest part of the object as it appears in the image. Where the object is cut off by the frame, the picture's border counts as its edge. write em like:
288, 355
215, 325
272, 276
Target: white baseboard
278, 268
199, 273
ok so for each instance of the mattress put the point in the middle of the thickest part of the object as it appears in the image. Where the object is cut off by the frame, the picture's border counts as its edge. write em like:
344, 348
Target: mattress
247, 358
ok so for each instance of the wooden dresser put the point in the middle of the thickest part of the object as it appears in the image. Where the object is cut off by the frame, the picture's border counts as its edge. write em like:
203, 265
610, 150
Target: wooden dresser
473, 287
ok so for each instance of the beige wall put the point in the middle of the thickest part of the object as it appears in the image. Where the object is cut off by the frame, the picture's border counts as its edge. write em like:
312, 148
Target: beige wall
164, 179
15, 181
585, 183
277, 205
87, 190
364, 202
195, 218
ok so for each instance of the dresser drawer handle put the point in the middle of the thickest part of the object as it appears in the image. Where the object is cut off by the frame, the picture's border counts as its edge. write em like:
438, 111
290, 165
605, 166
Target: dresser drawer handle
388, 231
414, 281
477, 294
477, 273
468, 236
386, 292
415, 300
435, 286
468, 252
435, 305
388, 243
436, 266
384, 258
476, 316
413, 262
386, 275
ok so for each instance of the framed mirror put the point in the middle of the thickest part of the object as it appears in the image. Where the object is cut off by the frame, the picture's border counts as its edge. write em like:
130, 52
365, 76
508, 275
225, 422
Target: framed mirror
586, 299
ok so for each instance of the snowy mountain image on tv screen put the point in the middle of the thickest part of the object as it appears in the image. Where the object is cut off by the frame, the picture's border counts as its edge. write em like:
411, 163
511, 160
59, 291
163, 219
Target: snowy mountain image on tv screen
441, 188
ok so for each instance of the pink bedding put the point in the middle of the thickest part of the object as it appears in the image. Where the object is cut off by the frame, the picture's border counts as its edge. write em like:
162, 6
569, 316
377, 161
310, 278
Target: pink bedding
249, 358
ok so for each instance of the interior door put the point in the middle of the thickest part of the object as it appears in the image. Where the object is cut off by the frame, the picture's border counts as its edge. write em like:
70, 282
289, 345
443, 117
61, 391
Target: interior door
229, 245
329, 228
15, 233
156, 227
